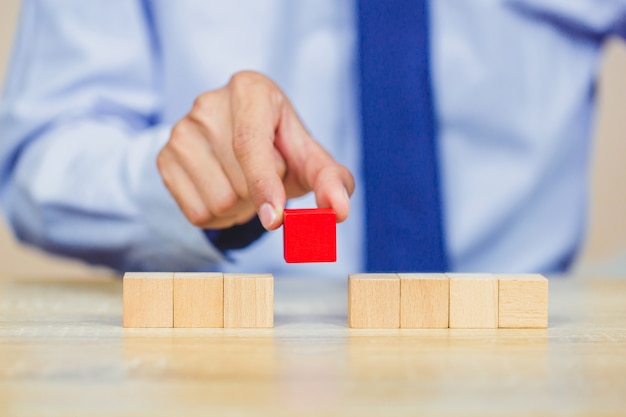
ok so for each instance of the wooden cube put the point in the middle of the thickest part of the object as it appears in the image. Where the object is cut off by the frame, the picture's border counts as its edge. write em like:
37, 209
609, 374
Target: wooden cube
148, 299
473, 301
248, 300
374, 301
199, 299
424, 301
523, 301
309, 235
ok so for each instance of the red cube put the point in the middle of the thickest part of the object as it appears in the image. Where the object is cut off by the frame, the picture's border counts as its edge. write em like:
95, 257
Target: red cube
310, 235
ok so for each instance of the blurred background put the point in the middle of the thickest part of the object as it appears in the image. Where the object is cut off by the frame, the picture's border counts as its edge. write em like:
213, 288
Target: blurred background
604, 252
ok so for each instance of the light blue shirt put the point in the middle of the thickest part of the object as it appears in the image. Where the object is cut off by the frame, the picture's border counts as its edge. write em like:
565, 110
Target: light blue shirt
94, 88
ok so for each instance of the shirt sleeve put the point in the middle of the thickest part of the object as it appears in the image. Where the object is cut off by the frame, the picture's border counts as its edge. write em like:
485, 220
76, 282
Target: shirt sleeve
597, 18
80, 132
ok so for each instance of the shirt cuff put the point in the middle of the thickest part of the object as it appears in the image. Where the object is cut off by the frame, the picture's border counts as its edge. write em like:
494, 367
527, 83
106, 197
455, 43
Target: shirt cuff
236, 237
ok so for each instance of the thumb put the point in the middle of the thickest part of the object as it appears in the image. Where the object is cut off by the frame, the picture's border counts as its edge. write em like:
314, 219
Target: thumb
311, 168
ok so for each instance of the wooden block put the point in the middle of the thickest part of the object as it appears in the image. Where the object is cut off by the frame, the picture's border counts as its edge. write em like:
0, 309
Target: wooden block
199, 299
374, 301
248, 300
309, 235
473, 301
148, 299
424, 301
523, 301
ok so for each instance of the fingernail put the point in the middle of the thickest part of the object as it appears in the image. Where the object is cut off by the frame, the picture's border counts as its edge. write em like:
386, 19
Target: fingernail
267, 214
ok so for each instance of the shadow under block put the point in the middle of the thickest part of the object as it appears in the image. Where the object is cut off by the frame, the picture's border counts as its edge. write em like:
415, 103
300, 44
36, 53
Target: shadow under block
374, 301
310, 235
523, 301
424, 301
248, 300
148, 299
473, 301
198, 299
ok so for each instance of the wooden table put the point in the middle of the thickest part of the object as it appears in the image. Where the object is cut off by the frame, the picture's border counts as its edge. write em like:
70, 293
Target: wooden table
63, 352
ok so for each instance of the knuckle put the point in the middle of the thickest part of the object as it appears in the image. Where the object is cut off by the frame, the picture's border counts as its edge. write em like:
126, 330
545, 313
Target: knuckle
257, 187
329, 175
243, 142
349, 181
247, 141
198, 216
179, 131
180, 139
162, 162
201, 103
245, 83
343, 174
223, 203
242, 78
204, 108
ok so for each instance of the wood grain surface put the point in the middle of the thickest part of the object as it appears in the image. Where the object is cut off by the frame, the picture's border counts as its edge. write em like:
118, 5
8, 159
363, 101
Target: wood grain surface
148, 299
522, 301
248, 300
374, 301
473, 301
424, 301
63, 352
198, 299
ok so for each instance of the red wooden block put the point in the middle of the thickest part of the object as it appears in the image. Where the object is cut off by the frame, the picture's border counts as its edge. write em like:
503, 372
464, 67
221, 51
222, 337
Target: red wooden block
310, 235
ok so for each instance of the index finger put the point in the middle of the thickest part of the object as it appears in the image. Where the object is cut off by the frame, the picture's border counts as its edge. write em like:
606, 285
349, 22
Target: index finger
255, 111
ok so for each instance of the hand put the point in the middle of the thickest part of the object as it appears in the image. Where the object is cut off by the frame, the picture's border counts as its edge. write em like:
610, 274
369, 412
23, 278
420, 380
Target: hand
243, 150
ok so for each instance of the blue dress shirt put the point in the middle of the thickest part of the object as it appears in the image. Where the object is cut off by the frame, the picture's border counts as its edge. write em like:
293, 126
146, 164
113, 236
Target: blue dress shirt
94, 88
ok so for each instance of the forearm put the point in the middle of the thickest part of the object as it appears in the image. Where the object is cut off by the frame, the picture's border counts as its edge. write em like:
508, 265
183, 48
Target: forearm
90, 189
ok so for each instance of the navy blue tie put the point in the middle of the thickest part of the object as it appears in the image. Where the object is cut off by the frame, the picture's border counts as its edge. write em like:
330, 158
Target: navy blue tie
403, 209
